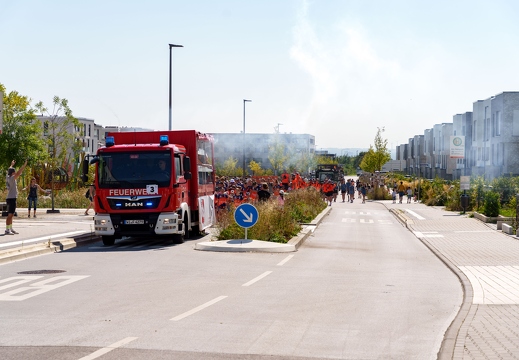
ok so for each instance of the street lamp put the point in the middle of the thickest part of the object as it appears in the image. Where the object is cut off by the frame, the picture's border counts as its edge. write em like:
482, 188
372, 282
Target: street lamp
243, 136
171, 46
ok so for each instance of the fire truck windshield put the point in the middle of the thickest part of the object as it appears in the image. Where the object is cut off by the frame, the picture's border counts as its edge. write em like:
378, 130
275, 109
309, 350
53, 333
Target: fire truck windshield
134, 169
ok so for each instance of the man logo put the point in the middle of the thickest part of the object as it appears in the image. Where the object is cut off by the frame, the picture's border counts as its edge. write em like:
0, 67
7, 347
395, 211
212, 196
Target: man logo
134, 204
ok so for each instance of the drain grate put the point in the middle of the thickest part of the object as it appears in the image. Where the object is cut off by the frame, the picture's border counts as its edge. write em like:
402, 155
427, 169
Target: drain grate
34, 272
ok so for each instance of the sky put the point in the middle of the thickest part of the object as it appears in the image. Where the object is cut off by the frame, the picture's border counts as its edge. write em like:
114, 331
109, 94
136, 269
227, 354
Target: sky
335, 69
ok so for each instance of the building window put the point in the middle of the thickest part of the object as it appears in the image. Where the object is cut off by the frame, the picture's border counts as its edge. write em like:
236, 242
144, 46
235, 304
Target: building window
498, 123
474, 132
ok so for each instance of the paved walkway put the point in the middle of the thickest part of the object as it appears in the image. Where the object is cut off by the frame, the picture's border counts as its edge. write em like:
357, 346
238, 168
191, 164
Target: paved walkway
487, 262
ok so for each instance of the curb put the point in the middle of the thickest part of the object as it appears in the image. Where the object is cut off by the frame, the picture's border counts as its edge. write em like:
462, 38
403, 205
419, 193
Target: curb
300, 238
247, 245
64, 244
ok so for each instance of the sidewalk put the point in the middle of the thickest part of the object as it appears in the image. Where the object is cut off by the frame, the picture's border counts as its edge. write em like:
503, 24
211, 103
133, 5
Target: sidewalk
487, 263
48, 232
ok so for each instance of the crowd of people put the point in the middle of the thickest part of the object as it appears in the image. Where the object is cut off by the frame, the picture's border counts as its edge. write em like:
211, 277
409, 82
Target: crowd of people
233, 191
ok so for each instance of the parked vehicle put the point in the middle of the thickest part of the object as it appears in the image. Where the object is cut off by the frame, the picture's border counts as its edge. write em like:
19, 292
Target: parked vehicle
154, 183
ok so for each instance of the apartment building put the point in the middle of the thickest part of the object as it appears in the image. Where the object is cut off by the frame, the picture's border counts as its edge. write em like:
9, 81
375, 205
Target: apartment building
491, 142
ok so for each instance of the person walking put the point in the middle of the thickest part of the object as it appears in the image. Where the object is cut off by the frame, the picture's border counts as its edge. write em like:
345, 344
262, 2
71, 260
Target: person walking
352, 191
33, 196
344, 189
91, 192
409, 194
12, 195
401, 191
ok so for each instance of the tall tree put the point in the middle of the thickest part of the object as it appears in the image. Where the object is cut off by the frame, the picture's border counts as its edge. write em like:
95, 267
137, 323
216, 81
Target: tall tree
376, 156
21, 137
61, 131
277, 155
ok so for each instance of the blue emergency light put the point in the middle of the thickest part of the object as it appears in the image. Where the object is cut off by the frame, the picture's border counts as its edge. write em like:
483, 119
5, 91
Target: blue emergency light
164, 140
109, 141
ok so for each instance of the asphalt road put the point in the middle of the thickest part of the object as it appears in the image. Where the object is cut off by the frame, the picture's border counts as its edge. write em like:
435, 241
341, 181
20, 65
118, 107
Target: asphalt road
361, 287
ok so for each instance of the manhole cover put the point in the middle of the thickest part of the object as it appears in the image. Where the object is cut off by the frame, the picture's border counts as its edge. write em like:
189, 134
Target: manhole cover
32, 272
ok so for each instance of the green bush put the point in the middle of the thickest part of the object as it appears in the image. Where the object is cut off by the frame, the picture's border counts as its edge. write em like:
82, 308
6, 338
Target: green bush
492, 205
276, 223
65, 199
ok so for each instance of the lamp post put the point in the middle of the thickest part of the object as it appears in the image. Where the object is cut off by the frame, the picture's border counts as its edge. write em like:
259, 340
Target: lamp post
171, 46
243, 136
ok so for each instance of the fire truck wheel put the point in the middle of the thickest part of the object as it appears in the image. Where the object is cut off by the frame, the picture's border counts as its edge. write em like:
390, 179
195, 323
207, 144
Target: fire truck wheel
108, 240
187, 233
178, 239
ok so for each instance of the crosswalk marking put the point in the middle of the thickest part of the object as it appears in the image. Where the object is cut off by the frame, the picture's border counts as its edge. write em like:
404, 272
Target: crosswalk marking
20, 293
367, 221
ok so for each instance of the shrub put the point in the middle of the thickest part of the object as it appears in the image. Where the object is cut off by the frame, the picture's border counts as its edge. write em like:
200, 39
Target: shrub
275, 223
492, 205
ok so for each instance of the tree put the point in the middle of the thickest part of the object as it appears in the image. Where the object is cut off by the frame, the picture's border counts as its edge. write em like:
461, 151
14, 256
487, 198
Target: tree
228, 168
256, 168
376, 157
277, 155
61, 131
21, 137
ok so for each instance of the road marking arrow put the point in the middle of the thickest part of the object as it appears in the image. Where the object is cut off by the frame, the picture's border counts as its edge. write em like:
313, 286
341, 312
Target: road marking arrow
248, 218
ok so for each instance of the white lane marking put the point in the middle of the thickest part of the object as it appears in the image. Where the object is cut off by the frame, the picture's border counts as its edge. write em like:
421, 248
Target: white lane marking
367, 221
349, 220
473, 231
37, 288
198, 308
107, 349
258, 278
385, 222
427, 234
282, 262
50, 237
415, 214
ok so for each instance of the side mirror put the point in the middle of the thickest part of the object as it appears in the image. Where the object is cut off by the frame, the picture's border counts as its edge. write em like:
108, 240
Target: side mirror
187, 164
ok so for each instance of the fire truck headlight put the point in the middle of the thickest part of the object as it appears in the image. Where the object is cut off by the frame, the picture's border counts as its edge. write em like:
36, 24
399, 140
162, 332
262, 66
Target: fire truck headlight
170, 221
100, 222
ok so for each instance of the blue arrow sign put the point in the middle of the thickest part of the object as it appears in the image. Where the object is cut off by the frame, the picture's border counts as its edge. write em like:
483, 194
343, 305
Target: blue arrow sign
246, 215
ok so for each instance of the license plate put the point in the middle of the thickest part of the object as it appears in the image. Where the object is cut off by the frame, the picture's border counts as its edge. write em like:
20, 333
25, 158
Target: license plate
133, 222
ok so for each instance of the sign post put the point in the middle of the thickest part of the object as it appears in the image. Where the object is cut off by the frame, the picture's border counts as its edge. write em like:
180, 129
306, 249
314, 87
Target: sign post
246, 216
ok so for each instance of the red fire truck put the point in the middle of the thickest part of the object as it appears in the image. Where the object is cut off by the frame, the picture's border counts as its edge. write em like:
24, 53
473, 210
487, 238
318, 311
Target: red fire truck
154, 183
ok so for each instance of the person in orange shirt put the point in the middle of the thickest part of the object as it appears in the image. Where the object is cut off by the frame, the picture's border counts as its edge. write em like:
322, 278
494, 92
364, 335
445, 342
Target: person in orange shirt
285, 180
328, 187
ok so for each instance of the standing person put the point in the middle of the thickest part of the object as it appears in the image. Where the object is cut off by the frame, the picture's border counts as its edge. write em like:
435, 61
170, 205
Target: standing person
281, 198
264, 194
33, 196
285, 180
12, 195
91, 192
